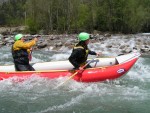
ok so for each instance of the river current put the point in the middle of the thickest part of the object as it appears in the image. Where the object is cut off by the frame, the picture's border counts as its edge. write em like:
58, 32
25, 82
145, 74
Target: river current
128, 94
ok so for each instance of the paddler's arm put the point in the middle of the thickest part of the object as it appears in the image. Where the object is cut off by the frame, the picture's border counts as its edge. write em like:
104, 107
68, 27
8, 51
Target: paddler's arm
25, 45
94, 53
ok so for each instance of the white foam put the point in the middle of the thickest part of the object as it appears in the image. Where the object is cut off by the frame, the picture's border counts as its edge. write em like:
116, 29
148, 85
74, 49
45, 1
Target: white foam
60, 57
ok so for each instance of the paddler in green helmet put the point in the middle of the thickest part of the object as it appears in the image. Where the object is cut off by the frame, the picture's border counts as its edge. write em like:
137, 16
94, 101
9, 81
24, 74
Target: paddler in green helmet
21, 52
80, 52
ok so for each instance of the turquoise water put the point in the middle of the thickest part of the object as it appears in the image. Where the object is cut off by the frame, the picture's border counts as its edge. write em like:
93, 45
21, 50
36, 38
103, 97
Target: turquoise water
128, 94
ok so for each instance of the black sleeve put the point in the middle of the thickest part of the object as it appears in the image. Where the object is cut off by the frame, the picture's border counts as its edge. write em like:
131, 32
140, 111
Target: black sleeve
75, 56
92, 52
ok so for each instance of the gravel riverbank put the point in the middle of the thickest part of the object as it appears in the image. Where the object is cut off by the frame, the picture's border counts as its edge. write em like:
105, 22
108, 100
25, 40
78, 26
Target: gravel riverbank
121, 44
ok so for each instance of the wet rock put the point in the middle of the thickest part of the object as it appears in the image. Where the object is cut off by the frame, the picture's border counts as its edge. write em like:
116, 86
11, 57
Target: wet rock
144, 50
42, 45
10, 41
109, 46
126, 50
51, 38
59, 44
122, 47
107, 35
147, 49
7, 39
69, 42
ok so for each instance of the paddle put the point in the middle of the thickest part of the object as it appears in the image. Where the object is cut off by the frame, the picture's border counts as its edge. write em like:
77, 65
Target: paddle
31, 50
75, 74
30, 54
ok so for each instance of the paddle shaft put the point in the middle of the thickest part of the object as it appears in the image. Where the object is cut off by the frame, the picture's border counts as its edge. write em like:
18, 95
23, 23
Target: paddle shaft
30, 54
74, 74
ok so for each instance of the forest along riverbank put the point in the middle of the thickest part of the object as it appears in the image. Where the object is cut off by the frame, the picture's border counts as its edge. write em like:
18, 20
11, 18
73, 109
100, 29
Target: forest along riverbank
116, 43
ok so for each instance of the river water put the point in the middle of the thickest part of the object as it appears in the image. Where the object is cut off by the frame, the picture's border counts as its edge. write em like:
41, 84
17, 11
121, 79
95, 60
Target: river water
128, 94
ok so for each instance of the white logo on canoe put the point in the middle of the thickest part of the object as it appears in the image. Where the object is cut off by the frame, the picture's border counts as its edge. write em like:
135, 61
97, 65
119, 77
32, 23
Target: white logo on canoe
121, 71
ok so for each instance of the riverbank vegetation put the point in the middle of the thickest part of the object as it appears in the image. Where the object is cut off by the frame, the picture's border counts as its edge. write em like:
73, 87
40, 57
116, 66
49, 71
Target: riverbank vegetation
72, 16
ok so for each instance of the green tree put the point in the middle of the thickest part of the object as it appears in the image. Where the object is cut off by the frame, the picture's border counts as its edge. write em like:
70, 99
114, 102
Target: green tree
73, 16
12, 12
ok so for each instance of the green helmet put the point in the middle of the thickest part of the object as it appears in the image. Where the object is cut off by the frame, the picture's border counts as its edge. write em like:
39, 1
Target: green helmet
18, 36
83, 36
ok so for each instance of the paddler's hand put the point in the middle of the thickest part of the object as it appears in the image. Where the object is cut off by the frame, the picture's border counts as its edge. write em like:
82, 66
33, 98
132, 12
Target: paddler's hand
98, 53
80, 69
36, 39
31, 49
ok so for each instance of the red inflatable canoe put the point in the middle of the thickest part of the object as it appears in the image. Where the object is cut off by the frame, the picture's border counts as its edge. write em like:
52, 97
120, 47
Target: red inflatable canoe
103, 69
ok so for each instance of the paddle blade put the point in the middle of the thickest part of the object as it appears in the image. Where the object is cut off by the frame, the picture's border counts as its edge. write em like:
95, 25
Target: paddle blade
67, 79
